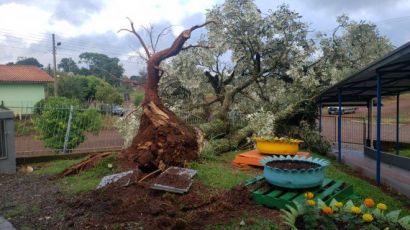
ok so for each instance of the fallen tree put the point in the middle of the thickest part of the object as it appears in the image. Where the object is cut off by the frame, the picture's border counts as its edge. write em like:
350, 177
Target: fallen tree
163, 138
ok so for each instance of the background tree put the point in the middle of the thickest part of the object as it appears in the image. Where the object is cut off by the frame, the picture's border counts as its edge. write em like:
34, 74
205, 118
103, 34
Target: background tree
102, 66
68, 65
28, 61
107, 94
87, 89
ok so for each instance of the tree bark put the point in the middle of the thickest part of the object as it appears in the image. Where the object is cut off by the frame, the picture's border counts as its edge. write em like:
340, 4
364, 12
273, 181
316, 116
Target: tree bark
163, 138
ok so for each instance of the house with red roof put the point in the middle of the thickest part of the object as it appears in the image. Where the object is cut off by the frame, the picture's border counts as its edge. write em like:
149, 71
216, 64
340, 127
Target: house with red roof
21, 86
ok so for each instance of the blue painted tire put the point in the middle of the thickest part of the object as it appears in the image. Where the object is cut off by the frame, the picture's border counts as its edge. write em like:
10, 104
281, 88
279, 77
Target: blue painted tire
302, 178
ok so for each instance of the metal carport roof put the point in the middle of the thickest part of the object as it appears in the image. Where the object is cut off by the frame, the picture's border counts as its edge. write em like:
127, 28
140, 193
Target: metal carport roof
360, 87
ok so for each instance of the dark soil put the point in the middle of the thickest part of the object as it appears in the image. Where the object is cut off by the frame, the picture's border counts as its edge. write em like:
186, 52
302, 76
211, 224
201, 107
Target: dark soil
32, 201
38, 203
289, 164
174, 180
137, 205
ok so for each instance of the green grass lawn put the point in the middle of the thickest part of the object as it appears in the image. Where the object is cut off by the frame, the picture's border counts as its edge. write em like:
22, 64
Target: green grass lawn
405, 153
85, 181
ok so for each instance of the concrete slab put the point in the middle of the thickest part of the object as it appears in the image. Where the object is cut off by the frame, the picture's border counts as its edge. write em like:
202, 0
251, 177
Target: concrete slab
396, 178
5, 224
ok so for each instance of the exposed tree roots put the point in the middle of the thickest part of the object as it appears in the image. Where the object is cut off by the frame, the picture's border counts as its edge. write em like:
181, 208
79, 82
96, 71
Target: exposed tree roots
162, 140
86, 164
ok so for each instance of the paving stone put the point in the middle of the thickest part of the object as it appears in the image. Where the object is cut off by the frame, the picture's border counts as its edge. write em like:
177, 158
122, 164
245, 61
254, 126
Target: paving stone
112, 178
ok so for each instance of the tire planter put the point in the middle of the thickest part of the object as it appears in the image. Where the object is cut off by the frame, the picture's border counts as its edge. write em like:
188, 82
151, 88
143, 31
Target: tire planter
294, 178
277, 147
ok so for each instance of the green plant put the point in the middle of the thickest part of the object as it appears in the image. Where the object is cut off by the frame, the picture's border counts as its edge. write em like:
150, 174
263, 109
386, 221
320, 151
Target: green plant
24, 127
89, 179
319, 215
138, 97
312, 140
51, 123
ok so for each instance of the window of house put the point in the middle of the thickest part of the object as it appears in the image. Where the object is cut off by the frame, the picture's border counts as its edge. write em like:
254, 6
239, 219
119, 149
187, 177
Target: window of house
3, 149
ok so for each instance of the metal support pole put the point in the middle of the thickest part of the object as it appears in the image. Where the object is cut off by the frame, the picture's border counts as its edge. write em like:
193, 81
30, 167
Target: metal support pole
339, 126
67, 133
368, 124
320, 116
378, 126
397, 123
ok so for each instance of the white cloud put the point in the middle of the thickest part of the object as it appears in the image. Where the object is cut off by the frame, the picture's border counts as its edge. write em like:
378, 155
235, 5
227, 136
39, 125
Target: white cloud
28, 19
23, 21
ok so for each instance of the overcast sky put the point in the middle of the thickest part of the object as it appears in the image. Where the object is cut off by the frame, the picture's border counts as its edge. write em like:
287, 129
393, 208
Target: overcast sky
92, 25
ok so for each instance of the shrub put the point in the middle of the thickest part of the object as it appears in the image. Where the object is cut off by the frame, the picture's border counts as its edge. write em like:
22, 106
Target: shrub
51, 122
313, 140
139, 96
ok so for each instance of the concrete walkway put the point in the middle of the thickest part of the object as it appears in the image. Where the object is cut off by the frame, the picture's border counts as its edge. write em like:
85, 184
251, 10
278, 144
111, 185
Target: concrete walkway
5, 225
396, 178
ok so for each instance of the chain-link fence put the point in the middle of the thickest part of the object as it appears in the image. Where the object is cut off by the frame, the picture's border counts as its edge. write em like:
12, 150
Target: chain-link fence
44, 131
355, 128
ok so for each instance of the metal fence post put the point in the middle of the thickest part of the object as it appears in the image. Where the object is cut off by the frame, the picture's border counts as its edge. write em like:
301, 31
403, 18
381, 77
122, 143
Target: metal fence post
335, 125
67, 133
364, 131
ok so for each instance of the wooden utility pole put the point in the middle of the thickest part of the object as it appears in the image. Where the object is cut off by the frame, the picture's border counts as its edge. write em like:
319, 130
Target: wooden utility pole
54, 65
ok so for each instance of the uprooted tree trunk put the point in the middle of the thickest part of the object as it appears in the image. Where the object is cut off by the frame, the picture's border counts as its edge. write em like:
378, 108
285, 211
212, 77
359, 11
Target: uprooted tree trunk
163, 138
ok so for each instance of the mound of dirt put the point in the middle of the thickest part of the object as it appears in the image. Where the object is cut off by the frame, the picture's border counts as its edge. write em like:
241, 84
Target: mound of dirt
139, 206
162, 138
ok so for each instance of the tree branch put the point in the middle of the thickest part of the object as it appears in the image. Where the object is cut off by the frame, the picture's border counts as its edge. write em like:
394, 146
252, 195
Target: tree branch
197, 46
177, 45
133, 31
202, 25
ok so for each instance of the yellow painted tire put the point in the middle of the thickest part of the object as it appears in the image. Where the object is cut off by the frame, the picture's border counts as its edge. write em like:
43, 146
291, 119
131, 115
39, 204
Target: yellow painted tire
277, 147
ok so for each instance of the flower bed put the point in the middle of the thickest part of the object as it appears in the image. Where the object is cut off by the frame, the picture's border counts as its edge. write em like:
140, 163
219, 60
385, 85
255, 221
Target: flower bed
315, 214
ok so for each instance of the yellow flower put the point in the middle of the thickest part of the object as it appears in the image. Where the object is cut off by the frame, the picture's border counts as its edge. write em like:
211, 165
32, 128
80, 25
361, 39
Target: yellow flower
386, 228
310, 202
309, 195
381, 206
355, 210
327, 210
367, 217
339, 204
369, 202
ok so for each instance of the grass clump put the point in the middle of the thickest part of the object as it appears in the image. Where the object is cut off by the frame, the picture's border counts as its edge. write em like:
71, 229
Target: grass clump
89, 179
217, 171
18, 210
405, 153
57, 166
84, 181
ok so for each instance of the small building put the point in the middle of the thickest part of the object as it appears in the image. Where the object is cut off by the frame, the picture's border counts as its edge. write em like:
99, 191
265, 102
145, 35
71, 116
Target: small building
21, 86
